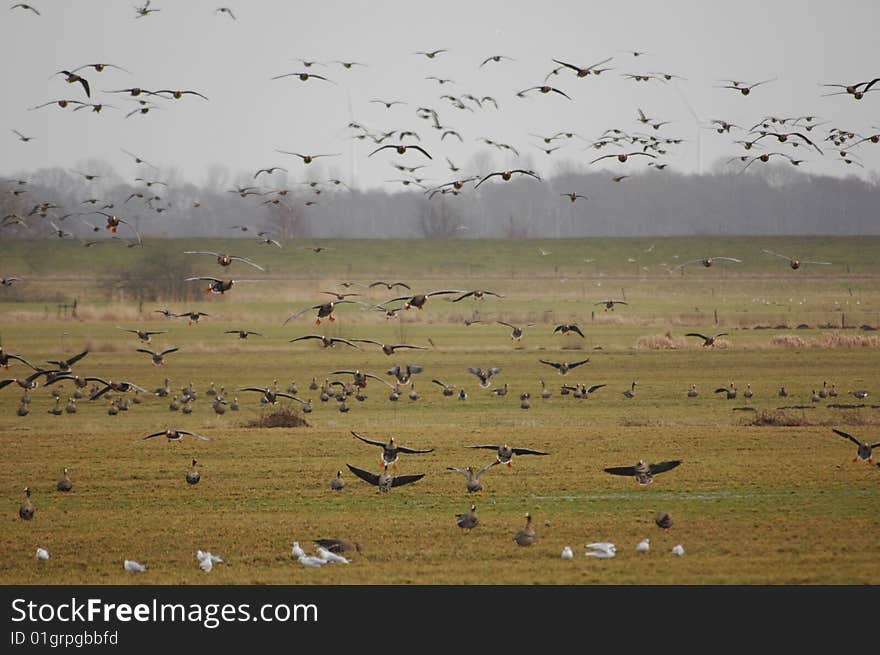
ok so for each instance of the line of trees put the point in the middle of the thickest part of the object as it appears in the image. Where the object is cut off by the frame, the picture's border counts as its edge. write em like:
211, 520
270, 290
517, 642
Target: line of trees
770, 200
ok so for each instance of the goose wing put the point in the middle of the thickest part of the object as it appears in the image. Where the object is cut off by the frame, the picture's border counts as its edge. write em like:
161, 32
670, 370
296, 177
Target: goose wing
370, 441
366, 476
660, 467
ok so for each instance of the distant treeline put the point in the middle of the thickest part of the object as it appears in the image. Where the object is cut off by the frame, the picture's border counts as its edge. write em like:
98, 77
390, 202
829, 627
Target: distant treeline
771, 200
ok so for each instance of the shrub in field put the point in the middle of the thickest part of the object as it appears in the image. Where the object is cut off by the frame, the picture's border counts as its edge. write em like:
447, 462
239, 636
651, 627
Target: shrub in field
161, 276
833, 340
283, 417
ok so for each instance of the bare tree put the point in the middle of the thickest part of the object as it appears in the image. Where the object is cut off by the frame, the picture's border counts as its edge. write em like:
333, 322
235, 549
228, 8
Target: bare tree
439, 219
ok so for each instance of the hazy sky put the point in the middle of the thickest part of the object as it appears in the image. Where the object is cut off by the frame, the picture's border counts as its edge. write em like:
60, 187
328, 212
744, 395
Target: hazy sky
186, 45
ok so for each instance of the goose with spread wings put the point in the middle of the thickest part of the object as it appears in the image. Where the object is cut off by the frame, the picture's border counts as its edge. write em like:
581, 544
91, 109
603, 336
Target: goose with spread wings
708, 261
642, 472
864, 452
385, 481
418, 301
564, 367
506, 175
401, 149
174, 434
794, 263
473, 476
224, 259
325, 310
327, 342
708, 342
504, 453
391, 450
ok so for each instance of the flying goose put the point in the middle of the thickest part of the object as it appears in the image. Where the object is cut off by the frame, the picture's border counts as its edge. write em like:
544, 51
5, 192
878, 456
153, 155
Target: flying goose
564, 367
564, 329
325, 310
707, 341
485, 376
708, 261
385, 481
418, 301
644, 473
327, 342
389, 349
404, 373
224, 259
157, 358
391, 450
609, 304
448, 389
864, 451
173, 434
143, 335
504, 453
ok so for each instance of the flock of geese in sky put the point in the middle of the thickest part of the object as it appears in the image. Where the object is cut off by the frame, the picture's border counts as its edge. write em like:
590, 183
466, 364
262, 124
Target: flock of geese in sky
790, 135
650, 142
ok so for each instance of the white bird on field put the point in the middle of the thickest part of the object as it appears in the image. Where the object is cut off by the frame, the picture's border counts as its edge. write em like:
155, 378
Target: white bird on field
312, 561
567, 553
42, 553
678, 550
206, 554
601, 549
207, 564
296, 551
331, 558
131, 565
643, 546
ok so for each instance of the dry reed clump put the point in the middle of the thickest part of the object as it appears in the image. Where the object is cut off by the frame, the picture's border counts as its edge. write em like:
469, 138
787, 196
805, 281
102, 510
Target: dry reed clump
833, 340
661, 342
284, 417
778, 419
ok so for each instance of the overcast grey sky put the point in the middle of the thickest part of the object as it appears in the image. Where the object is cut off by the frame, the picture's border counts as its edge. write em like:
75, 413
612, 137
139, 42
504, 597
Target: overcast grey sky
186, 45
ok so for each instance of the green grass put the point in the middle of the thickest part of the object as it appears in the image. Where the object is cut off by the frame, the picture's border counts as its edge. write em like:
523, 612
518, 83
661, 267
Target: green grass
751, 504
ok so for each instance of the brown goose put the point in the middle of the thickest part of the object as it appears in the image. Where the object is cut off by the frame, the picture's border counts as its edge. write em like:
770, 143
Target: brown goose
564, 367
174, 435
325, 310
65, 484
391, 450
389, 349
385, 481
327, 342
418, 301
26, 510
708, 342
448, 389
468, 521
337, 483
473, 477
729, 391
642, 472
663, 520
526, 536
144, 335
505, 453
864, 451
158, 359
192, 475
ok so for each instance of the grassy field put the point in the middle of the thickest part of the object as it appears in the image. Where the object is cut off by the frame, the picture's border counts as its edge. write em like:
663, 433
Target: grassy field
769, 496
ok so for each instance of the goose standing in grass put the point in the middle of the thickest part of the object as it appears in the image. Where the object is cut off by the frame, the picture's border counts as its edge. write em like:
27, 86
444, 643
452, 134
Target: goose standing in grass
27, 509
861, 394
748, 393
643, 546
526, 536
864, 451
642, 472
545, 392
192, 475
783, 392
631, 392
448, 389
473, 477
730, 391
663, 520
65, 484
467, 521
337, 483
